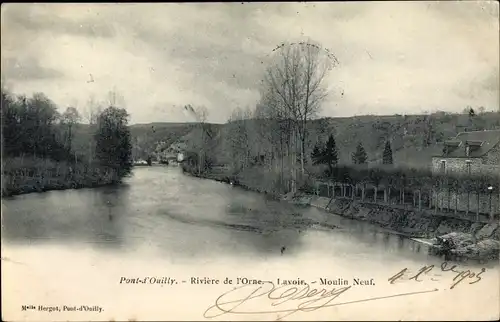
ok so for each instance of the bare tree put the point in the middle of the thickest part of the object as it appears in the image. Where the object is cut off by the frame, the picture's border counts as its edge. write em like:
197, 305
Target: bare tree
91, 115
294, 87
92, 111
200, 114
115, 99
239, 138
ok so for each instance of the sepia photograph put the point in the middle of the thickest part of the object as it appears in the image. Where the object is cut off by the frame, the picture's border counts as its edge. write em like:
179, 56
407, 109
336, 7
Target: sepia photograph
250, 161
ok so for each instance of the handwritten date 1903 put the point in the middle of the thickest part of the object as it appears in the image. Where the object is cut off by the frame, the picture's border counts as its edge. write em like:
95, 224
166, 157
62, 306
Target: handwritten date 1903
430, 271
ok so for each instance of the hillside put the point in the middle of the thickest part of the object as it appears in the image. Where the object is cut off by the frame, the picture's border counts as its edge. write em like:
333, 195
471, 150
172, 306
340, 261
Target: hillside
414, 138
145, 137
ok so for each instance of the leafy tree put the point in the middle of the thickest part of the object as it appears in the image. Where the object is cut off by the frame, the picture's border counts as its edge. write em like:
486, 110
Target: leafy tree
113, 143
472, 113
387, 157
29, 127
359, 156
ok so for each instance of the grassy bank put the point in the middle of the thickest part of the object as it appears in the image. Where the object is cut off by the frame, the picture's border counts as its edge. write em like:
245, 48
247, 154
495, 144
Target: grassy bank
26, 175
256, 179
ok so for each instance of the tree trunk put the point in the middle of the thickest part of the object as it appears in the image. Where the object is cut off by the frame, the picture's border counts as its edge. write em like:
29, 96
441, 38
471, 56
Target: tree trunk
302, 152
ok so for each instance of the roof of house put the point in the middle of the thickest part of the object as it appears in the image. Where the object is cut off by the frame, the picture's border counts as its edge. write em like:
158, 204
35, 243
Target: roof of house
482, 141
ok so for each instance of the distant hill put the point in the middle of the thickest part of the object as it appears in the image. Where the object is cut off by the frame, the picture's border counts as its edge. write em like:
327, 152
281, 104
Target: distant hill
145, 137
414, 138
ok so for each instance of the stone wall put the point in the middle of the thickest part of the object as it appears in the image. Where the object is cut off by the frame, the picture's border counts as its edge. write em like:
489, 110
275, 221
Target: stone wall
457, 165
488, 164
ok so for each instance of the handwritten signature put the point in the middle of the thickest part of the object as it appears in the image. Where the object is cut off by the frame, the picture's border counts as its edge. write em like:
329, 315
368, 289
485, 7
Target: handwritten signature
306, 299
292, 299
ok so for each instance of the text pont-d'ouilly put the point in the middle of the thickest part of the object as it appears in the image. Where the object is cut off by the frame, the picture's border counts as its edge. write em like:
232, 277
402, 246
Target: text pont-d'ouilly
163, 280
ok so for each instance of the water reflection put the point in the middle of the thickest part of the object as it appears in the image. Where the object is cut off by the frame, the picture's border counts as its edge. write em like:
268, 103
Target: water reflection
178, 215
274, 223
67, 216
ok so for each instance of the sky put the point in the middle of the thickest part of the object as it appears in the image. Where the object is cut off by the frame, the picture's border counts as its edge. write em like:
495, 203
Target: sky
394, 57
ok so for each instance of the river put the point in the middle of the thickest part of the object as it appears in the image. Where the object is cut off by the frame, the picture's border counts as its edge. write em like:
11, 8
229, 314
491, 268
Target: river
73, 247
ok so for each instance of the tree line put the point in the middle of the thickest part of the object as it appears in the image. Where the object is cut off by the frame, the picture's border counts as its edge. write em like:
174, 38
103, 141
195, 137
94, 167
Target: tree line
272, 139
328, 154
34, 132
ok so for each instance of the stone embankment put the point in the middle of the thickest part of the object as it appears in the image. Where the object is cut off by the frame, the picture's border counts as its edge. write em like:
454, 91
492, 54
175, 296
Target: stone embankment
459, 237
481, 239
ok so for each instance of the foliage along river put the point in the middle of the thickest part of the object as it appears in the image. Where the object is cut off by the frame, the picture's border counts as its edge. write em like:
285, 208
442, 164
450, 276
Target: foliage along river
74, 246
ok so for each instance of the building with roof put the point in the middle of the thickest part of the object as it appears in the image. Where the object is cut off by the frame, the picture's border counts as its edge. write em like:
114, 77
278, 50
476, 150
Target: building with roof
476, 152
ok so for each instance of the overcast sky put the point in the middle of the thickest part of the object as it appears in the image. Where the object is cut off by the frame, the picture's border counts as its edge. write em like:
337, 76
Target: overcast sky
394, 57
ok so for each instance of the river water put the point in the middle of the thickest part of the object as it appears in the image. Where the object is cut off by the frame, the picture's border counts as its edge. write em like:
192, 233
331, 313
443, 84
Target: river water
71, 248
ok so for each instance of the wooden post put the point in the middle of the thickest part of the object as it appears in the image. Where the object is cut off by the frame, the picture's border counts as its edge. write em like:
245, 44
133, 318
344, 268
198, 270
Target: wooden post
491, 209
477, 210
468, 202
436, 202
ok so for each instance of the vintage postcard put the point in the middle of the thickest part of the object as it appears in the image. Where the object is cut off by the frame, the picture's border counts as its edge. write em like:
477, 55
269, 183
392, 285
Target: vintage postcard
250, 161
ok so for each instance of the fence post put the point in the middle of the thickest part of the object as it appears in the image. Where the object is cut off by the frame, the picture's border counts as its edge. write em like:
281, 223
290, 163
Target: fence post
420, 200
478, 206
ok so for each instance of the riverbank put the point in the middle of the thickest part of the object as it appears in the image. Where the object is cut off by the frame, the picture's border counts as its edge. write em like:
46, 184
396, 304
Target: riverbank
468, 239
425, 226
21, 176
